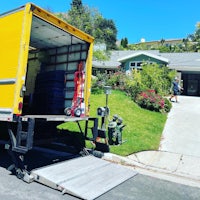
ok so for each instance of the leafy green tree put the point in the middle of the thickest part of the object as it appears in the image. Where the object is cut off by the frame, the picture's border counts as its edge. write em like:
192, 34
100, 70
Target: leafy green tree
101, 55
186, 44
133, 84
162, 41
195, 38
77, 4
124, 43
157, 78
164, 49
105, 31
80, 17
90, 21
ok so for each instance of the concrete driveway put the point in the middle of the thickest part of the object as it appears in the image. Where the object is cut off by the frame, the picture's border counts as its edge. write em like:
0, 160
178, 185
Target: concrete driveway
179, 151
182, 130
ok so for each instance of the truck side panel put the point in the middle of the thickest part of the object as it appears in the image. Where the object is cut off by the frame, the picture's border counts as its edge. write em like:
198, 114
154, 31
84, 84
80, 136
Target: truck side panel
14, 38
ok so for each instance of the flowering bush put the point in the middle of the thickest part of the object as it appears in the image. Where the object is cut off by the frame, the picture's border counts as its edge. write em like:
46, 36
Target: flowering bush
116, 80
152, 101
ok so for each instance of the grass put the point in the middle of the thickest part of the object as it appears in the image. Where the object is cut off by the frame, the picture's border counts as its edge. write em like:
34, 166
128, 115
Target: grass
143, 128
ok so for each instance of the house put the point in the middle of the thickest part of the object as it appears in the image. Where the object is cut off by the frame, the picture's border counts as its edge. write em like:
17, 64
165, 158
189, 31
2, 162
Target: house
135, 60
187, 65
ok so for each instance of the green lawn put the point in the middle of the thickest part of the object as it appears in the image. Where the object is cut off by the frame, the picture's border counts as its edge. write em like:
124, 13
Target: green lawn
143, 128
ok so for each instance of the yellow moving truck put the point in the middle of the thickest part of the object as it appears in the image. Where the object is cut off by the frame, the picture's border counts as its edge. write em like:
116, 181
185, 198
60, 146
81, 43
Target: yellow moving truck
45, 78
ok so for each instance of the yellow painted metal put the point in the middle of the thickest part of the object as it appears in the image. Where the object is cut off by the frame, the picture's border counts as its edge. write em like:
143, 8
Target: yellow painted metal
23, 56
14, 37
88, 79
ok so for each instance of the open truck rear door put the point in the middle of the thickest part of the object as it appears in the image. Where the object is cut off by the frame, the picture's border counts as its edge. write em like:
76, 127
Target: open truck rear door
15, 39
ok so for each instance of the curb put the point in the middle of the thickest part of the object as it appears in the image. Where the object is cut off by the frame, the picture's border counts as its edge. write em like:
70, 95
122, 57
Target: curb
146, 169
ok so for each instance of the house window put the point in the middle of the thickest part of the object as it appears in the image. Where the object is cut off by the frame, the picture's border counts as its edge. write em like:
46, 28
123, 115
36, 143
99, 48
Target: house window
138, 64
135, 65
132, 64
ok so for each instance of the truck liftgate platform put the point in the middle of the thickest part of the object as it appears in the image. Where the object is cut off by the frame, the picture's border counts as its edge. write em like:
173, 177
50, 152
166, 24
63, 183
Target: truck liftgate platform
85, 177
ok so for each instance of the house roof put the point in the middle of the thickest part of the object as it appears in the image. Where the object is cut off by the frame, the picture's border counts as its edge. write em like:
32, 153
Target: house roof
106, 64
178, 61
183, 61
113, 63
143, 53
115, 55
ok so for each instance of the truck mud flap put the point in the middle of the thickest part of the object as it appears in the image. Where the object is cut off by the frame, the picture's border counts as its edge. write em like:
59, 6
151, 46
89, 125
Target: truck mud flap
84, 177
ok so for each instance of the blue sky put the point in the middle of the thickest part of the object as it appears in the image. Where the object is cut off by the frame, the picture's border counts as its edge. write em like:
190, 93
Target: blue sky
135, 19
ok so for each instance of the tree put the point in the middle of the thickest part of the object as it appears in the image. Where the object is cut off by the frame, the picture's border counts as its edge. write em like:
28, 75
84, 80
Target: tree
124, 42
90, 21
105, 31
185, 42
162, 41
77, 4
157, 77
164, 49
195, 38
101, 55
80, 16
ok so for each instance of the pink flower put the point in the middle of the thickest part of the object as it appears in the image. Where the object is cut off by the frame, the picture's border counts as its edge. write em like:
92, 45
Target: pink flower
151, 91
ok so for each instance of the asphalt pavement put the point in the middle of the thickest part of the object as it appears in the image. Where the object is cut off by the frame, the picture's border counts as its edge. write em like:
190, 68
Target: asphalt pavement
178, 157
139, 187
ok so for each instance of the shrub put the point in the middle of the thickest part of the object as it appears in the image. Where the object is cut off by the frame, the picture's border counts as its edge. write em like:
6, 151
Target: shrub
157, 77
168, 105
116, 80
96, 87
151, 101
133, 84
96, 90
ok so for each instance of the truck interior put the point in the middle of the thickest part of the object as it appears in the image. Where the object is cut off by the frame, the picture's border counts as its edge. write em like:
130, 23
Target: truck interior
54, 55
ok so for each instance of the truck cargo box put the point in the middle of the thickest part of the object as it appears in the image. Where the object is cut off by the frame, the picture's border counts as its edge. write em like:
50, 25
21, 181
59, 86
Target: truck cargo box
40, 55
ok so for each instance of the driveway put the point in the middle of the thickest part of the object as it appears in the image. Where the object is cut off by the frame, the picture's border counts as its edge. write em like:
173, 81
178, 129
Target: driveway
181, 134
179, 151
